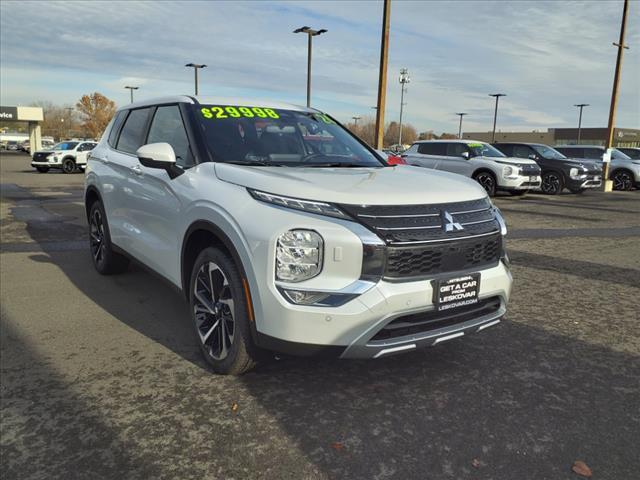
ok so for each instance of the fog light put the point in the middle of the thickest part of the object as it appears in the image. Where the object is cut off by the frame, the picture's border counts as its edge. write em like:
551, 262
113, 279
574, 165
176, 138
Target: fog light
298, 255
300, 297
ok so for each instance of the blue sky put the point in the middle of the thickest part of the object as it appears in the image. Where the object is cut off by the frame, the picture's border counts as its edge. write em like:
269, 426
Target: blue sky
546, 56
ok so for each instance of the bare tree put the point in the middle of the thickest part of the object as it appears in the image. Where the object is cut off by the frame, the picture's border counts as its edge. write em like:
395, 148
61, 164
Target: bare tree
96, 111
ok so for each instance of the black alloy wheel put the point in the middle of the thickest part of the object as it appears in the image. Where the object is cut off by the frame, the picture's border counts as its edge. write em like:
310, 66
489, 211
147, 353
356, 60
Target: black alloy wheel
622, 180
551, 183
487, 181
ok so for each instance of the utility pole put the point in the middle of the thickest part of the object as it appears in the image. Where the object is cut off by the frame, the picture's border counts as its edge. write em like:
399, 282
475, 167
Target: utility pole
131, 89
196, 67
355, 122
461, 114
580, 106
495, 114
310, 34
614, 96
382, 78
404, 79
69, 110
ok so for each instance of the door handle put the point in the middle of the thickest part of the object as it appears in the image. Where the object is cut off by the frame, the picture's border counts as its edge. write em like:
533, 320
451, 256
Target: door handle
136, 169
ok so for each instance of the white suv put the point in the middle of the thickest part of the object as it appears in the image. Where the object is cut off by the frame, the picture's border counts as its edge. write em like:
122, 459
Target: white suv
287, 233
67, 156
478, 160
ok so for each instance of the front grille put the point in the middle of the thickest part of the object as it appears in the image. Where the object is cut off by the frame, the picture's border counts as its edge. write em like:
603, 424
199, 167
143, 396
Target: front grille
530, 170
409, 224
41, 156
417, 323
413, 262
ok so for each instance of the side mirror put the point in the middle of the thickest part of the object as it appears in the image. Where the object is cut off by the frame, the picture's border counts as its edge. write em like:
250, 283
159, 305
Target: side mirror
465, 155
159, 155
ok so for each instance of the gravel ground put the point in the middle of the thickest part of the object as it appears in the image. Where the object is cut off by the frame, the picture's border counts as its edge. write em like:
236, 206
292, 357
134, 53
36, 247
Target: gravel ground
101, 376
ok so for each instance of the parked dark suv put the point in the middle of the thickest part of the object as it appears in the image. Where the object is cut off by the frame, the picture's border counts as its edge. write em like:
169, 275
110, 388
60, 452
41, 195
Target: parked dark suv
558, 171
623, 171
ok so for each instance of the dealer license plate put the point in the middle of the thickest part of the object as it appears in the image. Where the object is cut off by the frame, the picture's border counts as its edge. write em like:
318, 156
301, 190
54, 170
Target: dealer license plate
456, 292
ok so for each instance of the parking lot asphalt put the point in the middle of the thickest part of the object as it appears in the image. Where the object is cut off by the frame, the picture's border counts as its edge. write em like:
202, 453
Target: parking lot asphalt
101, 377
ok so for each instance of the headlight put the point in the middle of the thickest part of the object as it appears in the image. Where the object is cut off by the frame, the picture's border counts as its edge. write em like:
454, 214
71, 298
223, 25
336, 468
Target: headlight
298, 255
310, 206
573, 172
507, 171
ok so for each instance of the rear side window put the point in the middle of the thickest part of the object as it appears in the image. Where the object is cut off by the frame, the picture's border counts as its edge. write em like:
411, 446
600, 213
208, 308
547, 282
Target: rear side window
506, 149
115, 128
132, 134
433, 148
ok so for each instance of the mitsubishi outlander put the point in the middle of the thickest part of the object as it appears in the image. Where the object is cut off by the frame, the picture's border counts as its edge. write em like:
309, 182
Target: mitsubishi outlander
287, 233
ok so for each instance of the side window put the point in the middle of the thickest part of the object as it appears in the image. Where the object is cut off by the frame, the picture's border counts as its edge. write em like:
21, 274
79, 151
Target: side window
433, 149
593, 153
167, 127
506, 149
456, 149
522, 151
117, 122
132, 134
83, 147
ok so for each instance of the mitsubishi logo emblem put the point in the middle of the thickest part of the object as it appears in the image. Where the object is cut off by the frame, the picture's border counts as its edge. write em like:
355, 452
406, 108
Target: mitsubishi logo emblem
448, 223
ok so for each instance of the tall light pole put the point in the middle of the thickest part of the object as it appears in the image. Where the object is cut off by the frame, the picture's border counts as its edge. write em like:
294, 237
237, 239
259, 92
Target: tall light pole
495, 114
403, 79
131, 89
69, 110
461, 114
580, 106
196, 67
382, 76
355, 122
310, 34
614, 94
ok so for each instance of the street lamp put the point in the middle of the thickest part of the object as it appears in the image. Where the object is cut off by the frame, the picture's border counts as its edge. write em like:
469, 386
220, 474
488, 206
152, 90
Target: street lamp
196, 67
495, 114
404, 79
461, 114
580, 106
355, 122
69, 110
310, 33
131, 89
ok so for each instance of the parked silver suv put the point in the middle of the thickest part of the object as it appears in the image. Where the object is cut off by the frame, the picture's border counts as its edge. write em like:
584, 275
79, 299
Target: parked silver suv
287, 233
478, 160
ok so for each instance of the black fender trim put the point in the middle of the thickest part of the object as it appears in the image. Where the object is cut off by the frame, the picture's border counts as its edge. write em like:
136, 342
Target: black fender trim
299, 349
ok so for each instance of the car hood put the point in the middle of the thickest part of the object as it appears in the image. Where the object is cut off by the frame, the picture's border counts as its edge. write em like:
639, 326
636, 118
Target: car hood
510, 160
401, 185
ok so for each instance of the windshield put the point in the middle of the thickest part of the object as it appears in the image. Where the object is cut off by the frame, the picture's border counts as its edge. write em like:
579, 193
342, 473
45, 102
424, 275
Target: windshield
65, 146
265, 136
548, 152
618, 155
484, 150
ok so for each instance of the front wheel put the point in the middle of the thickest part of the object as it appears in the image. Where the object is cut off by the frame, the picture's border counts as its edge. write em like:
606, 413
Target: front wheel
68, 166
219, 310
488, 182
552, 183
622, 180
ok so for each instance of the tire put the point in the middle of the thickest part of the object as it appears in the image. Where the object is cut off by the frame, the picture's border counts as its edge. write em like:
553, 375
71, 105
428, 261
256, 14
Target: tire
105, 260
552, 183
518, 193
487, 180
217, 297
622, 180
42, 169
68, 165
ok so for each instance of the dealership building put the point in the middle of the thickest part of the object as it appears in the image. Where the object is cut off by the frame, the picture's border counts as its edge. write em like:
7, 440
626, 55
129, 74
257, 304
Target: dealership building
30, 115
622, 137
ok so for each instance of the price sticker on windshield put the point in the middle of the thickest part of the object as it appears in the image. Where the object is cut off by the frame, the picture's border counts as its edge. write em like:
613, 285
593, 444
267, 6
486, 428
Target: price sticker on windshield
230, 111
475, 145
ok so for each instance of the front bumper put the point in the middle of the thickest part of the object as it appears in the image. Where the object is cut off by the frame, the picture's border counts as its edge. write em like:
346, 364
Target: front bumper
45, 163
357, 329
520, 182
588, 181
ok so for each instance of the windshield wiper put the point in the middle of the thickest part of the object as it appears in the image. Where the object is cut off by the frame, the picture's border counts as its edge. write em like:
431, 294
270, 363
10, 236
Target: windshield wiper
334, 164
253, 163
